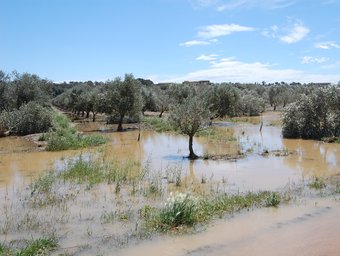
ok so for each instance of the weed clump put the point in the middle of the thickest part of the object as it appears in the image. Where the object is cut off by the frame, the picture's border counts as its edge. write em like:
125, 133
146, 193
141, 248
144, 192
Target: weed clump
179, 210
183, 210
42, 246
273, 200
317, 183
63, 137
157, 123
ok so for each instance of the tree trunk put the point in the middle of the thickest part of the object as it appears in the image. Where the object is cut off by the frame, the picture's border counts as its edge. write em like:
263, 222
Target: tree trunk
87, 114
120, 126
93, 117
160, 114
192, 155
274, 107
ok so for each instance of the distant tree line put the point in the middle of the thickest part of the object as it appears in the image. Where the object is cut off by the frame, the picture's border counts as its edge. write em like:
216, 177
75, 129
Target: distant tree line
310, 110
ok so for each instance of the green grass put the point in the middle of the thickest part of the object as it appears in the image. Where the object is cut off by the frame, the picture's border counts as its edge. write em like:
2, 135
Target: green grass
83, 171
180, 210
183, 210
337, 188
43, 184
157, 123
42, 246
63, 137
242, 119
93, 172
317, 183
217, 134
273, 200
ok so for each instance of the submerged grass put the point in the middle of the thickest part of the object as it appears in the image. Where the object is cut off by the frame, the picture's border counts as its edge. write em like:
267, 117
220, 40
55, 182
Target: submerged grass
42, 246
242, 119
317, 183
63, 137
214, 133
158, 123
93, 172
184, 210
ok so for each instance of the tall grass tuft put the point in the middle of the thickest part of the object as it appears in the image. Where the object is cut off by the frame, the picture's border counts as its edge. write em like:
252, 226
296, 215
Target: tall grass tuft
180, 209
159, 124
273, 200
317, 183
63, 137
84, 171
42, 246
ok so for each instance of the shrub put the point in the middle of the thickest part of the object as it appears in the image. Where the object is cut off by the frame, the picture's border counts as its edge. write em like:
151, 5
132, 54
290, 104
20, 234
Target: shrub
314, 116
30, 118
64, 137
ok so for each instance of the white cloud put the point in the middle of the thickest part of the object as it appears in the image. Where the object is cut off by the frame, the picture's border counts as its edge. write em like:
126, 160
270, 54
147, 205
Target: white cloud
271, 32
310, 59
264, 4
327, 45
194, 43
210, 57
231, 70
332, 65
297, 33
213, 31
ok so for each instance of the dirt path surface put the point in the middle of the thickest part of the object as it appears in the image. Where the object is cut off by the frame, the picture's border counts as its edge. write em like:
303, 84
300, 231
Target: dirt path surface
310, 229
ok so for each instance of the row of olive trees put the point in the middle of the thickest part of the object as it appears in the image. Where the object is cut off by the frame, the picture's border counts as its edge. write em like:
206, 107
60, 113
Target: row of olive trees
24, 100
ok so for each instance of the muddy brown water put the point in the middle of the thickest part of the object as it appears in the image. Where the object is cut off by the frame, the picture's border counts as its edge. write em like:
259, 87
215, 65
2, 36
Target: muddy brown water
308, 229
19, 164
311, 227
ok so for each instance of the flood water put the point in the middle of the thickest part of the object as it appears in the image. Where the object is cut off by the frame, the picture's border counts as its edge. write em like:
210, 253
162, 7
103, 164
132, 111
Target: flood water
309, 227
20, 161
308, 230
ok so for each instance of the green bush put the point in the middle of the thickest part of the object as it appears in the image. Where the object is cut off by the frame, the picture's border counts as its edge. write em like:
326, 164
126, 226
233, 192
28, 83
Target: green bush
158, 123
314, 116
64, 137
28, 119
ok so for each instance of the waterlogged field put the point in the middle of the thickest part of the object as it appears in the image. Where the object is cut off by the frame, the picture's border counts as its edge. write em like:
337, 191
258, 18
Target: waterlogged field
121, 197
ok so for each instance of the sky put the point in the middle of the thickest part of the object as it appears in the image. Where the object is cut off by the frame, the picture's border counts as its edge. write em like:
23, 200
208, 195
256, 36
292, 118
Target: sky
172, 40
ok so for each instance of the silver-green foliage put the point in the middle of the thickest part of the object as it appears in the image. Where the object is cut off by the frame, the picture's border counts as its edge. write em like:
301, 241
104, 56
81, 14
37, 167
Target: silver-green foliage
313, 116
28, 119
189, 117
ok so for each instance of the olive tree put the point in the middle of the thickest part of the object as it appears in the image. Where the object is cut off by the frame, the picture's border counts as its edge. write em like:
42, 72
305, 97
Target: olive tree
124, 98
28, 119
189, 116
313, 116
224, 100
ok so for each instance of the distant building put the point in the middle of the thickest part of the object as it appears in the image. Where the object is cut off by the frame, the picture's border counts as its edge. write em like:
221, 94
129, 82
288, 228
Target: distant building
198, 83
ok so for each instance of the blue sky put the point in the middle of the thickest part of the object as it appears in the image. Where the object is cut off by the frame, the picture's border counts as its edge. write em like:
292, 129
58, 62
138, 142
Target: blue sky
172, 40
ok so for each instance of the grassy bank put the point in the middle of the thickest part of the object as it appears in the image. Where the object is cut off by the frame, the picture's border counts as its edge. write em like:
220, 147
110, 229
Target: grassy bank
62, 136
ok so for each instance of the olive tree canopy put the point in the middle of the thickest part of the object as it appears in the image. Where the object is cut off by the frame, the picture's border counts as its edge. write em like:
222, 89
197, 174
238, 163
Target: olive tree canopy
190, 116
